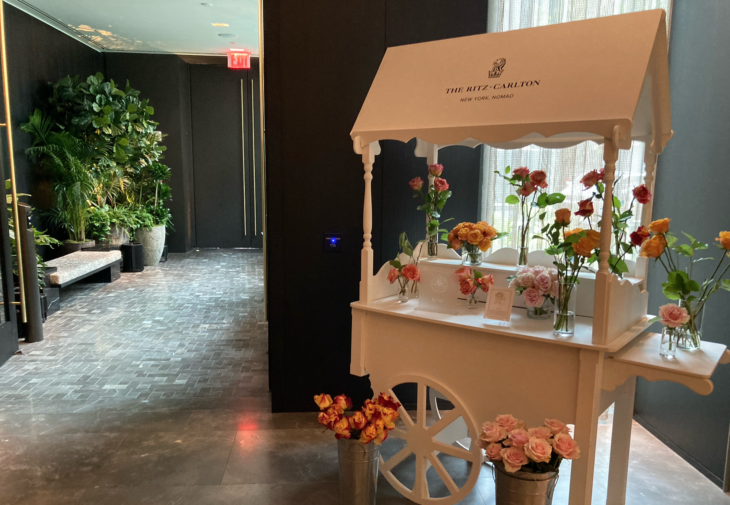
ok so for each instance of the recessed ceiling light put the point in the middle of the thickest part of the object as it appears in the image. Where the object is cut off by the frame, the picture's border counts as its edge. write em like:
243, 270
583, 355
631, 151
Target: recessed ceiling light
228, 35
220, 24
206, 5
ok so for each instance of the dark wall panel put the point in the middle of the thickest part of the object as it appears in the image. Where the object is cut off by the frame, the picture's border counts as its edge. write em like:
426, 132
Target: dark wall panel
691, 190
165, 81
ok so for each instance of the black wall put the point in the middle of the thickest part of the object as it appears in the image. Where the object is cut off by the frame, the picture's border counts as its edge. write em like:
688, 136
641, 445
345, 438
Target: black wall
691, 189
321, 57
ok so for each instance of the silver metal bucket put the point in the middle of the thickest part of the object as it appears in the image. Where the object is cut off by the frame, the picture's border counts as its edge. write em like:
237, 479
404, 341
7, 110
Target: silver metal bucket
358, 472
524, 488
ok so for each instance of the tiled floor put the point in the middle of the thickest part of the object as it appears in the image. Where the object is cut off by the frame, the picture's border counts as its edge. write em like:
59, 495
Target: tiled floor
153, 390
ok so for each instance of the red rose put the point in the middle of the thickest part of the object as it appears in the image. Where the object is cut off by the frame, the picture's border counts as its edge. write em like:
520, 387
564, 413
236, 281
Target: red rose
642, 195
440, 184
416, 183
527, 189
523, 172
591, 179
539, 179
601, 174
585, 208
639, 236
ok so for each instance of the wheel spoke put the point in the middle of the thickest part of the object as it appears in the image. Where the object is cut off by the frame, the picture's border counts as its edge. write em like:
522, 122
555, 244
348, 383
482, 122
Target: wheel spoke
396, 459
420, 487
456, 452
447, 419
439, 467
421, 406
402, 412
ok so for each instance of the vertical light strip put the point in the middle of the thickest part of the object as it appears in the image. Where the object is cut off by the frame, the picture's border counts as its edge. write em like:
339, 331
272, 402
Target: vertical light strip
262, 136
243, 157
253, 159
8, 127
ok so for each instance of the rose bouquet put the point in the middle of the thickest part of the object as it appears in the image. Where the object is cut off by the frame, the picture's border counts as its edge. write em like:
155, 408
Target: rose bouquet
470, 282
405, 273
369, 424
623, 242
663, 247
539, 285
532, 199
475, 238
508, 442
433, 201
673, 318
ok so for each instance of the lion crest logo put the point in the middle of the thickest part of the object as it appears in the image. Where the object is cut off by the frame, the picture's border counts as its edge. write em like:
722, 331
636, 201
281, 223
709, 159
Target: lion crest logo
498, 67
439, 284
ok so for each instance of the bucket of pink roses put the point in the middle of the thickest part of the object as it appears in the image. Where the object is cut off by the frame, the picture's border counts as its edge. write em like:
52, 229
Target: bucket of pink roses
526, 461
359, 435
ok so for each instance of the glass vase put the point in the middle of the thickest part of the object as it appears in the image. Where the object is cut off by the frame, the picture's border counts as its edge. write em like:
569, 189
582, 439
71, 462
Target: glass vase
668, 345
471, 255
432, 243
564, 321
542, 312
523, 249
414, 291
471, 301
403, 293
690, 336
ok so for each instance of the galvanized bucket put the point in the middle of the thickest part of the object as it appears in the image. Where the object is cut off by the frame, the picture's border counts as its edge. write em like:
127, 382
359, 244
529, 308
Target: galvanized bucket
524, 488
358, 472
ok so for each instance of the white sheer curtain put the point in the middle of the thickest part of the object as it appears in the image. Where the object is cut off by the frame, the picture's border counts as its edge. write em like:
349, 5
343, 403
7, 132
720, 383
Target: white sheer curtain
564, 167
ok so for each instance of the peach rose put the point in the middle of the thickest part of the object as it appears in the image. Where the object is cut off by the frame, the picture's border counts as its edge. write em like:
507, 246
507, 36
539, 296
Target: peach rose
639, 236
660, 226
368, 434
493, 452
654, 247
464, 273
435, 170
533, 298
440, 184
673, 316
519, 437
590, 179
526, 279
585, 208
474, 237
416, 183
513, 459
538, 450
539, 179
562, 216
568, 233
594, 237
724, 240
556, 426
522, 172
584, 247
342, 428
540, 432
357, 421
485, 244
492, 432
509, 423
323, 401
411, 272
527, 189
485, 282
393, 275
642, 194
543, 282
456, 244
488, 230
341, 403
565, 446
467, 286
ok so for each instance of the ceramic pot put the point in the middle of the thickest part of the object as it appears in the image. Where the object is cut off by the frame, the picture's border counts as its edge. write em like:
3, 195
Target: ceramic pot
153, 241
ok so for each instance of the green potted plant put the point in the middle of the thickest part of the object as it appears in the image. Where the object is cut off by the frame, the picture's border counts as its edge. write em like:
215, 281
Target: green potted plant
155, 218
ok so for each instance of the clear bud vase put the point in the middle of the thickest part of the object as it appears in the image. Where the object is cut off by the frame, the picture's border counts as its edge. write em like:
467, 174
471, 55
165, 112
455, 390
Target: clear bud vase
523, 249
689, 338
471, 255
403, 293
564, 321
668, 346
542, 312
414, 290
471, 301
432, 242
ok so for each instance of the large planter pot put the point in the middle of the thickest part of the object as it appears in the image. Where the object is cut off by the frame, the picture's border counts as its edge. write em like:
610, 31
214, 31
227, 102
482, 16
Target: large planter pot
153, 241
72, 247
118, 235
132, 257
523, 488
358, 471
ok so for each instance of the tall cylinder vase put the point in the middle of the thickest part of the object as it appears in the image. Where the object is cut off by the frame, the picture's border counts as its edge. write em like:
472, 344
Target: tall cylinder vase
432, 242
565, 303
358, 471
690, 336
524, 488
523, 248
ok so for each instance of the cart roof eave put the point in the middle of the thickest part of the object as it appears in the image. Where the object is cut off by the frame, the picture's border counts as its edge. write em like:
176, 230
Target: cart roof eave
552, 86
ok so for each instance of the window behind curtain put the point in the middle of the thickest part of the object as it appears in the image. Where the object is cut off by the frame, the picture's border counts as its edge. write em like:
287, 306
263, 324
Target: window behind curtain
564, 167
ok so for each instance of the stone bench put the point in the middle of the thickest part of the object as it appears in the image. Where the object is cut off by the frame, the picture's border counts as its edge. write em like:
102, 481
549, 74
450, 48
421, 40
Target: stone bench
92, 266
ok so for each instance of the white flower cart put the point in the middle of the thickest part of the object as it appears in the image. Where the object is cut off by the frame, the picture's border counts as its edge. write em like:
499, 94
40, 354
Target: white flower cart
602, 80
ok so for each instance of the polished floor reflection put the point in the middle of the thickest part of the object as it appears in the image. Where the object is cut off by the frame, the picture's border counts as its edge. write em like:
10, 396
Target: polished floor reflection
153, 390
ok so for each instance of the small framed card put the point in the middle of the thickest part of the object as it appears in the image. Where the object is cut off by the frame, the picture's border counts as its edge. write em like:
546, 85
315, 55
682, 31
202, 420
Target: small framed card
499, 304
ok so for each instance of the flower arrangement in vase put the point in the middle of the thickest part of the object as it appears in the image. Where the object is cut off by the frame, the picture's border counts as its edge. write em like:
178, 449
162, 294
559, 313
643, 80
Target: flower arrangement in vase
532, 455
433, 201
405, 273
539, 285
532, 199
470, 282
475, 238
673, 318
623, 243
663, 247
369, 424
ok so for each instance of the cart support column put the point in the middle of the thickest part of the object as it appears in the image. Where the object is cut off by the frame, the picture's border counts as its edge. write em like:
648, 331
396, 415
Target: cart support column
618, 469
366, 257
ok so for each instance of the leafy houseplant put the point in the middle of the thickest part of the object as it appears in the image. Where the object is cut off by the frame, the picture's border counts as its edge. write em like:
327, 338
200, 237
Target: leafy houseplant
433, 201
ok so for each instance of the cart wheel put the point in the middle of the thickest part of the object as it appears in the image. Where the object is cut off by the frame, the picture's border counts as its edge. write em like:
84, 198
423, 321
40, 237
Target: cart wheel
423, 442
457, 433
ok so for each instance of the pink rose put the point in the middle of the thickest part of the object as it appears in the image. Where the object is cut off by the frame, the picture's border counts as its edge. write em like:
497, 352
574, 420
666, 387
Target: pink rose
416, 183
440, 184
533, 298
522, 172
590, 179
513, 283
543, 282
435, 170
513, 459
539, 179
556, 426
565, 446
538, 450
509, 423
526, 279
673, 316
642, 194
411, 272
467, 286
393, 275
537, 270
464, 273
527, 189
553, 273
493, 452
540, 432
519, 437
492, 432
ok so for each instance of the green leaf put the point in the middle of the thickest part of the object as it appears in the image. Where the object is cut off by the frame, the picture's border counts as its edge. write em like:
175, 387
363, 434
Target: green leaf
131, 108
149, 110
123, 141
507, 170
684, 250
395, 264
542, 200
554, 198
693, 285
477, 274
107, 109
616, 203
725, 284
512, 200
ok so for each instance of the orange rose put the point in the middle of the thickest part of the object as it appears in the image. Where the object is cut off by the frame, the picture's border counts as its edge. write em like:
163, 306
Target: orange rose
388, 401
660, 226
594, 236
357, 421
485, 244
368, 409
341, 403
562, 216
474, 237
328, 418
381, 437
342, 428
654, 247
568, 233
724, 240
389, 416
456, 245
463, 233
584, 247
368, 434
323, 401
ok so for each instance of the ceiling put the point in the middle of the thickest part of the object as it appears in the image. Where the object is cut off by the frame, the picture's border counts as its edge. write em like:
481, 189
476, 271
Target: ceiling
153, 26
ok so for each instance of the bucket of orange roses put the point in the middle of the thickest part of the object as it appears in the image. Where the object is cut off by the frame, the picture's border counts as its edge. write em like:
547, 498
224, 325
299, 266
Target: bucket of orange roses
359, 435
526, 461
